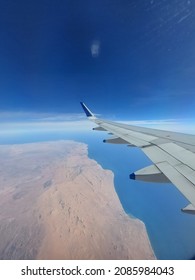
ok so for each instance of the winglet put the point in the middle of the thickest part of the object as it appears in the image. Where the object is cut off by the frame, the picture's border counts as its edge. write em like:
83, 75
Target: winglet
87, 111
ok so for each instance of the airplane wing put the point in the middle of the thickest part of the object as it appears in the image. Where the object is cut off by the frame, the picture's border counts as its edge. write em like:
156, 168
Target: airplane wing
172, 153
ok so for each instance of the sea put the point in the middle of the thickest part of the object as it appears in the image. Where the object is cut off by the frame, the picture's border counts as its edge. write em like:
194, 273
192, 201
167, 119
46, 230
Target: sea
171, 232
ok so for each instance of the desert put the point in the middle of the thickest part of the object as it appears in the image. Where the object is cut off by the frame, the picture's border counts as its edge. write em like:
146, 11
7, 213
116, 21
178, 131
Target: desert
57, 203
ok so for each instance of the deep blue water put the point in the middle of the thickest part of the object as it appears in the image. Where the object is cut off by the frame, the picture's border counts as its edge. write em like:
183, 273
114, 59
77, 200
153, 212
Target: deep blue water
172, 233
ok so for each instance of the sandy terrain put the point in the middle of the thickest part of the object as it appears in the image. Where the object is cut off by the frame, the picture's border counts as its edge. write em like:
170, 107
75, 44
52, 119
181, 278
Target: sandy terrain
56, 203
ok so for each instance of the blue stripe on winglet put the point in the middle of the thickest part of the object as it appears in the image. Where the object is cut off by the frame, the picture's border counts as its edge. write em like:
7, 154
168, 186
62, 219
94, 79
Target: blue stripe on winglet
86, 110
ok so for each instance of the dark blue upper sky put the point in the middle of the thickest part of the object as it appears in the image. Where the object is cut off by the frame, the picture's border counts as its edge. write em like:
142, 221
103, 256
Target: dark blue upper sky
131, 58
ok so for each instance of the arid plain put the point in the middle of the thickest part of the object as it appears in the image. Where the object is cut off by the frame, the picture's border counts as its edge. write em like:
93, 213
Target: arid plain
56, 203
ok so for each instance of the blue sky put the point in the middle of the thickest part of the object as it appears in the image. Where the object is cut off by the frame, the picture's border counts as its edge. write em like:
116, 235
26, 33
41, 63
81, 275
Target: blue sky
129, 59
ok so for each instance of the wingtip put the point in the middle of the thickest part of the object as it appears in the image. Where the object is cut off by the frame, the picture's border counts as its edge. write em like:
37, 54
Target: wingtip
86, 110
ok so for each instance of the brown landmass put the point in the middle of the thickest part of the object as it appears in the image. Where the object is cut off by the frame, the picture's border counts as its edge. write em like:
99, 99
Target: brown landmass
56, 203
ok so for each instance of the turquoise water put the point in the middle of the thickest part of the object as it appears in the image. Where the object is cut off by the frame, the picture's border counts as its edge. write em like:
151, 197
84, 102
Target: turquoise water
172, 233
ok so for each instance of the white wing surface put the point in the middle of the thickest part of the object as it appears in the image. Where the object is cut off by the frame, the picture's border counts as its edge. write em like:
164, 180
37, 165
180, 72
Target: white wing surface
172, 153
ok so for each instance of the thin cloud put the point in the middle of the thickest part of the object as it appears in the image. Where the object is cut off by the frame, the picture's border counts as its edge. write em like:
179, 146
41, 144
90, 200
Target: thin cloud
49, 126
62, 117
28, 121
39, 117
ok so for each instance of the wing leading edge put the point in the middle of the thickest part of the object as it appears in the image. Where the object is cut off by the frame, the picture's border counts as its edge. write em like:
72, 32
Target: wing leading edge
172, 154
